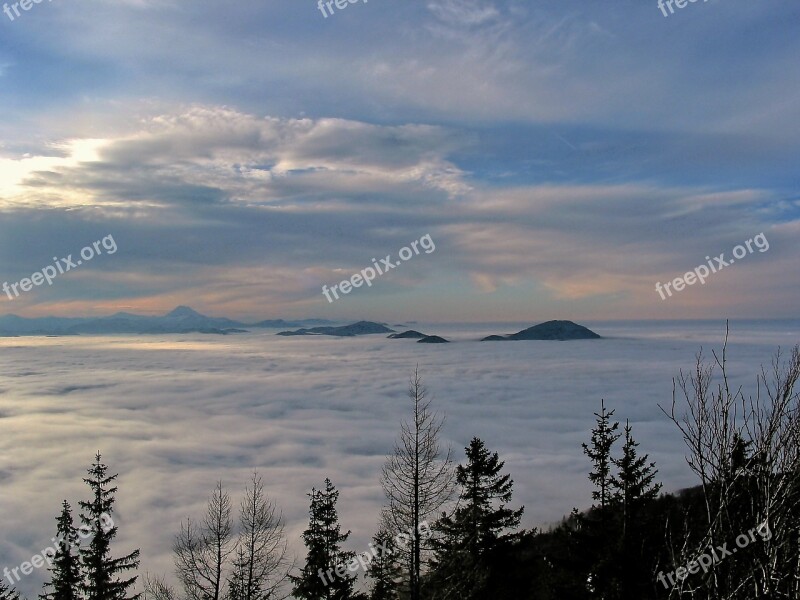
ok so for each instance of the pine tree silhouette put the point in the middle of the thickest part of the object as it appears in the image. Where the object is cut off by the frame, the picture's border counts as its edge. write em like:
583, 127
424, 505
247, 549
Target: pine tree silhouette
633, 484
478, 526
66, 577
603, 438
384, 570
237, 582
101, 570
323, 538
7, 593
633, 490
599, 530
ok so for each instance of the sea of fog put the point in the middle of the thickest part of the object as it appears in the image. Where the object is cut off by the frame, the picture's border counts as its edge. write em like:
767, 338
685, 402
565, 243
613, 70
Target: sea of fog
173, 414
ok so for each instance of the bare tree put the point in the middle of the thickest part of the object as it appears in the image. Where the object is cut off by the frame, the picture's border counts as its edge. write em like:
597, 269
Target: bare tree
255, 564
416, 479
201, 551
746, 453
261, 566
156, 588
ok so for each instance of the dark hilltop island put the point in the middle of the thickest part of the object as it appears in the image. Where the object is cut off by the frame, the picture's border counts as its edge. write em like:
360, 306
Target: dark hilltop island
550, 330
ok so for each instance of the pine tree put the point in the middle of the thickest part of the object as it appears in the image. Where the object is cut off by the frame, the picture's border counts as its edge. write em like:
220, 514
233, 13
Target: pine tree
633, 485
384, 570
101, 570
480, 524
7, 593
318, 579
741, 460
237, 582
599, 532
603, 438
633, 489
66, 578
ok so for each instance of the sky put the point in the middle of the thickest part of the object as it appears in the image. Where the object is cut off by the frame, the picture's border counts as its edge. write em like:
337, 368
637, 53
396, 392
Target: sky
564, 156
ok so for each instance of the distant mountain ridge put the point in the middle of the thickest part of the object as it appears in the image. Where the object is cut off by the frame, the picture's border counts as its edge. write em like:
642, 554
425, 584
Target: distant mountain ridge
360, 328
182, 319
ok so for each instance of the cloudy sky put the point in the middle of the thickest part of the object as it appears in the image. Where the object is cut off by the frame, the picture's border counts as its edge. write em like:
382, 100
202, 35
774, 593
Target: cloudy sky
564, 156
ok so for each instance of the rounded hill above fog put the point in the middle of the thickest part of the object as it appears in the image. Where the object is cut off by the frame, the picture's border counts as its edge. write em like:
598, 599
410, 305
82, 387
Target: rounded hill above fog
550, 330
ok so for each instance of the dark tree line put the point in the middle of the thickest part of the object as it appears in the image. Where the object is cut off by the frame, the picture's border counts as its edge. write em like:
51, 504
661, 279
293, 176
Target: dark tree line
635, 542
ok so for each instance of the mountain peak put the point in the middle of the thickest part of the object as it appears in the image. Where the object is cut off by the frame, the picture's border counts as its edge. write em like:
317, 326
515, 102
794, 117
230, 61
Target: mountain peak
184, 311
